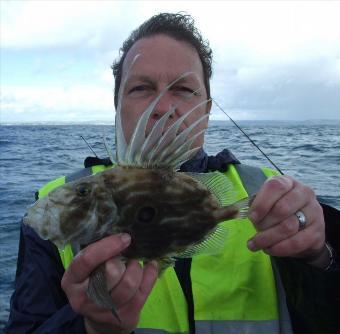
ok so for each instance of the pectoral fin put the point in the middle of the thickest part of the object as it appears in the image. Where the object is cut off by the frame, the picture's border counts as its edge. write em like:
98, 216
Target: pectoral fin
213, 244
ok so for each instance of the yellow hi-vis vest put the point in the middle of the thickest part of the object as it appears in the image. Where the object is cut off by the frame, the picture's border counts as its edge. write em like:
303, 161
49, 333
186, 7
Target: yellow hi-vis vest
236, 291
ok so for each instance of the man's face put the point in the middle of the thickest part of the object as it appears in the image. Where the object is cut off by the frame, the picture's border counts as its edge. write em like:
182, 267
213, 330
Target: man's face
162, 60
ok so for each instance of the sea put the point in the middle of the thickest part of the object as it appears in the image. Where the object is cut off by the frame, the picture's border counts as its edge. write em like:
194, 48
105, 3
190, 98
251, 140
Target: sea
31, 155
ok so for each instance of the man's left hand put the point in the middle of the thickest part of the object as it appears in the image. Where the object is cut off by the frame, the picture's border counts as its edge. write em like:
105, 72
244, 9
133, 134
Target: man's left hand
279, 232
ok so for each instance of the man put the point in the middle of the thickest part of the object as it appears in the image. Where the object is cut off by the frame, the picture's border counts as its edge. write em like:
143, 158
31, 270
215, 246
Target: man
237, 291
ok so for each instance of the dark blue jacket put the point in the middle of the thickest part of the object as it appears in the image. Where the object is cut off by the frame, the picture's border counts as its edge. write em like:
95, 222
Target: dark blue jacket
39, 305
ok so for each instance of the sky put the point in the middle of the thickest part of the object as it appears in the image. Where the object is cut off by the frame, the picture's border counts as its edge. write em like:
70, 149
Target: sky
273, 60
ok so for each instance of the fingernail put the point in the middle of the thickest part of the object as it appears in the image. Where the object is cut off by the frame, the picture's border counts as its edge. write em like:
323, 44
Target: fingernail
126, 238
251, 245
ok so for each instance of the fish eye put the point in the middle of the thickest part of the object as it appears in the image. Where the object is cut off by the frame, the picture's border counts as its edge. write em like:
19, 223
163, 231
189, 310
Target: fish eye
146, 214
82, 190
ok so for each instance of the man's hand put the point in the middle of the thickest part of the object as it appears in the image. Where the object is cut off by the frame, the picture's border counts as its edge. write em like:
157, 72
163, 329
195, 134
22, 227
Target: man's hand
129, 285
273, 215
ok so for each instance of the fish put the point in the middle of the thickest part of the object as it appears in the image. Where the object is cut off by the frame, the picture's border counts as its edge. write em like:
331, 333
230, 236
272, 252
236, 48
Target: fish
169, 214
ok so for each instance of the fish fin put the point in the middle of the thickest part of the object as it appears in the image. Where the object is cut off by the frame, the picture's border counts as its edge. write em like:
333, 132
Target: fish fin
185, 157
121, 144
153, 138
138, 136
171, 140
98, 291
108, 151
243, 206
183, 153
158, 147
238, 210
165, 263
156, 136
212, 245
218, 184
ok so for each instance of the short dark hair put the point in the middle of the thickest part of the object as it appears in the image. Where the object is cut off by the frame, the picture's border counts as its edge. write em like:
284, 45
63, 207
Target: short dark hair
179, 26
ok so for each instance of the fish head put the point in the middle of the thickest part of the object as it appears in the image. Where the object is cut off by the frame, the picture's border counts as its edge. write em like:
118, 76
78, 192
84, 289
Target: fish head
80, 211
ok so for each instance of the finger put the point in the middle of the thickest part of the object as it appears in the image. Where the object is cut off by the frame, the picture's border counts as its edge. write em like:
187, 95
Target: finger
150, 274
93, 255
291, 202
271, 191
128, 285
308, 241
149, 279
129, 312
114, 271
274, 234
281, 231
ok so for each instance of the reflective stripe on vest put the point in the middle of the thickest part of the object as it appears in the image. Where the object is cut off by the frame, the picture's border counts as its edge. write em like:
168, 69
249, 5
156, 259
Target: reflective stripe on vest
234, 292
225, 327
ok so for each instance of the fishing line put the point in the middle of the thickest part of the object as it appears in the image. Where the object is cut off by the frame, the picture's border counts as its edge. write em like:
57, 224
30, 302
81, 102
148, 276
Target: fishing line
264, 154
89, 146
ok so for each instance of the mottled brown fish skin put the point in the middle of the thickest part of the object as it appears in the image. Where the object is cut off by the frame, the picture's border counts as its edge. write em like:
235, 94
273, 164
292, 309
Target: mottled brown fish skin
164, 211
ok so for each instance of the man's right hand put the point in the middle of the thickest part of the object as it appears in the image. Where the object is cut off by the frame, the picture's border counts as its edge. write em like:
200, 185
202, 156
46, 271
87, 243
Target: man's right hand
129, 285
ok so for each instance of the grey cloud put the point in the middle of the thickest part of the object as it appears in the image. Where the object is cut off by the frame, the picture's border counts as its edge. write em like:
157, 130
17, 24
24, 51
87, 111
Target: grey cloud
300, 90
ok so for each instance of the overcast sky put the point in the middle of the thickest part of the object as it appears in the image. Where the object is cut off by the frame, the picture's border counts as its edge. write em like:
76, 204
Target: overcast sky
272, 59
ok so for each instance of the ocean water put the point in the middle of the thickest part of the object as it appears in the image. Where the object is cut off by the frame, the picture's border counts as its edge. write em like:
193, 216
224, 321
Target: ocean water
31, 155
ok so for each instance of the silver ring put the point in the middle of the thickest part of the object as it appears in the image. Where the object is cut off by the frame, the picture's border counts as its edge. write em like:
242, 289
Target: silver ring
302, 219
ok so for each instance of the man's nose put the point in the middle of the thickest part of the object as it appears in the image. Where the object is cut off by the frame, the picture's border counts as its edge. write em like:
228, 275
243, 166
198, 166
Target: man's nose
163, 106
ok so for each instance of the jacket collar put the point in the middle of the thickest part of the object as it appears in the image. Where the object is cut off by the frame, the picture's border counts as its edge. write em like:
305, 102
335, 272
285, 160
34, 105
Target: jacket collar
202, 163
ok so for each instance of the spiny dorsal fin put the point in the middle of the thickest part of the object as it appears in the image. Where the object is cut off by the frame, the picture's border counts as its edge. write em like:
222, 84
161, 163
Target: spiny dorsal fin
120, 138
138, 136
161, 148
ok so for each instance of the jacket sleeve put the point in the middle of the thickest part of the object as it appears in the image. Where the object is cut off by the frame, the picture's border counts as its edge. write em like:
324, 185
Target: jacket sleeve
313, 295
38, 304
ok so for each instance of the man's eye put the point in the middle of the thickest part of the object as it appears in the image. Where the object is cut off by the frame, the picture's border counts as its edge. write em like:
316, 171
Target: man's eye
139, 88
186, 91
